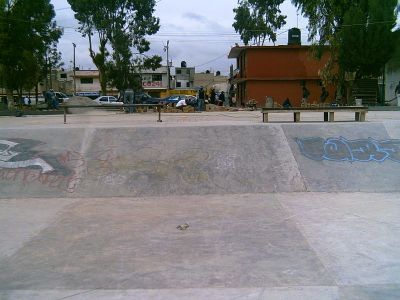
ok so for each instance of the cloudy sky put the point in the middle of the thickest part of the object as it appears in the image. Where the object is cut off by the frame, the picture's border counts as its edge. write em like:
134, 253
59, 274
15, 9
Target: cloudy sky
199, 32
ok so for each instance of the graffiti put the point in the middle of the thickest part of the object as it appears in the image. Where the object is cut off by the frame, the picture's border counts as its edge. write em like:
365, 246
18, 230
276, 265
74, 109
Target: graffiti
107, 167
7, 158
20, 163
342, 149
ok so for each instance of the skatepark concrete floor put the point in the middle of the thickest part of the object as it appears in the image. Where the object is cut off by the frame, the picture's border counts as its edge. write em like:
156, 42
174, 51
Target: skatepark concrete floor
212, 205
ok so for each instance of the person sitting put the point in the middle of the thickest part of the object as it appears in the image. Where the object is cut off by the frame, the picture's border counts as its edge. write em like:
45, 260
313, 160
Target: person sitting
181, 104
286, 104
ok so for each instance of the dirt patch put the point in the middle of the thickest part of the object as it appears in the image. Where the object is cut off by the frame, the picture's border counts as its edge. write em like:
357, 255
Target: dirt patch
76, 100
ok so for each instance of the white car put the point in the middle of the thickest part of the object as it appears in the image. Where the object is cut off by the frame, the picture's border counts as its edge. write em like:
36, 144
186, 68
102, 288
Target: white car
108, 100
61, 97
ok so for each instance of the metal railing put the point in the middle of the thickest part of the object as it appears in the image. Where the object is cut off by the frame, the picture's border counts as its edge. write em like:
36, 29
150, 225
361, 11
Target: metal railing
158, 106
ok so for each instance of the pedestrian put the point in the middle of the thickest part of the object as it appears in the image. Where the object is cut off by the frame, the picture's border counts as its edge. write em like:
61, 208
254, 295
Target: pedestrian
221, 98
181, 104
27, 101
306, 94
48, 99
213, 96
200, 103
397, 90
286, 104
324, 95
54, 100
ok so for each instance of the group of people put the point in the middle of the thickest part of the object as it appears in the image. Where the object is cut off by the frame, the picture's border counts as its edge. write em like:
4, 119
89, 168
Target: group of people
201, 100
202, 97
305, 96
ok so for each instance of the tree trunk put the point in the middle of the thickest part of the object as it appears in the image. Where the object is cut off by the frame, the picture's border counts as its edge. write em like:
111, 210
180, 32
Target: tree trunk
103, 82
10, 99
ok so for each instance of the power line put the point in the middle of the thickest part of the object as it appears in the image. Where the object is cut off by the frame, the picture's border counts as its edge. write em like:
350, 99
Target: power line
63, 8
215, 59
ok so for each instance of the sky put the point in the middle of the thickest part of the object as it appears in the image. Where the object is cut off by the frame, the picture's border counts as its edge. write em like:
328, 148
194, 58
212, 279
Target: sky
199, 32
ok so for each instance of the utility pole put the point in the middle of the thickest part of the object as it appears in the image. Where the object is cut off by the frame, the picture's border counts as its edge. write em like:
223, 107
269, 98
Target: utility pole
166, 49
73, 44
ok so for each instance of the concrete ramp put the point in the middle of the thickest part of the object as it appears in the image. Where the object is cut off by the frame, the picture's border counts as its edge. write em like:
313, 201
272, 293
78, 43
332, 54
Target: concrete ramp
151, 162
198, 160
346, 157
248, 211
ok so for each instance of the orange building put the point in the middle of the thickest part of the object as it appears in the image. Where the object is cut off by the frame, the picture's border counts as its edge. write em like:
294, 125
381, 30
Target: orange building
279, 72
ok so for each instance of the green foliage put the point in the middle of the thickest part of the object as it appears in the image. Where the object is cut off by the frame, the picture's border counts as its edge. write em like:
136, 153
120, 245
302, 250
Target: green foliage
368, 45
255, 20
359, 32
121, 26
26, 31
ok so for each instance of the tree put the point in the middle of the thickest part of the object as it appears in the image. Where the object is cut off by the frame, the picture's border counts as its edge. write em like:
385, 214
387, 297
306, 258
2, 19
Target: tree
255, 20
26, 31
52, 61
367, 46
120, 26
359, 33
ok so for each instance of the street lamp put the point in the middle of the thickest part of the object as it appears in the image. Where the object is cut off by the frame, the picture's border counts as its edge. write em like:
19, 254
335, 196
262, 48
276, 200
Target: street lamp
73, 44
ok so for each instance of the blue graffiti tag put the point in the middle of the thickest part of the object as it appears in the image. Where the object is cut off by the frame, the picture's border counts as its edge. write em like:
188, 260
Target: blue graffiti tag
342, 149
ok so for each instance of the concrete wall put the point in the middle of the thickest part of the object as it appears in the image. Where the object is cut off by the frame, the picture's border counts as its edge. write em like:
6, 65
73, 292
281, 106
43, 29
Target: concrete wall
279, 90
392, 78
283, 62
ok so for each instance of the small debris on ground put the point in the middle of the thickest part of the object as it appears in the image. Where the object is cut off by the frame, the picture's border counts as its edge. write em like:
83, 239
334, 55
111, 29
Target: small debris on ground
183, 226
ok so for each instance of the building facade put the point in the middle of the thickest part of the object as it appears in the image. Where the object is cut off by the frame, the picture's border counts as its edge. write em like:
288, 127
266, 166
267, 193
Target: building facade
278, 72
210, 80
155, 82
184, 78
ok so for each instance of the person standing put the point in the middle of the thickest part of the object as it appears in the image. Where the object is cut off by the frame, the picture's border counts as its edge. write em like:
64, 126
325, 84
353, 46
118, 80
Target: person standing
397, 90
212, 97
397, 93
306, 94
221, 98
200, 104
324, 95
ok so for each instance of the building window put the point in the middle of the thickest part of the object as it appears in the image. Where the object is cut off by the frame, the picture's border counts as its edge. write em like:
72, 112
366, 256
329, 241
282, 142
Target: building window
178, 71
178, 84
86, 80
63, 75
157, 77
188, 71
187, 84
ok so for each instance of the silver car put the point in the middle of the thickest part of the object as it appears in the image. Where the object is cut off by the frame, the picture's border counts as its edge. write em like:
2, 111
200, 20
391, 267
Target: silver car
108, 100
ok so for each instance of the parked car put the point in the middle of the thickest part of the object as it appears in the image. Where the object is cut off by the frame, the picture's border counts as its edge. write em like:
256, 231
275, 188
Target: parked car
108, 100
144, 98
174, 99
61, 97
91, 95
191, 100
